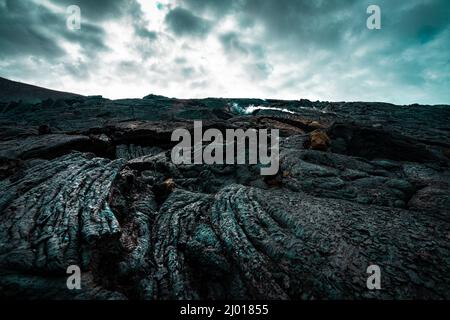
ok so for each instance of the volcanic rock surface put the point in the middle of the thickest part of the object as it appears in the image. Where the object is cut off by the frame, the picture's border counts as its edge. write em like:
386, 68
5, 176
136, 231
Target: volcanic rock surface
89, 181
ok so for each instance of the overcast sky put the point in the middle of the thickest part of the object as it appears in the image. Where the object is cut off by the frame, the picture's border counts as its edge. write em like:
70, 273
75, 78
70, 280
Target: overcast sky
288, 49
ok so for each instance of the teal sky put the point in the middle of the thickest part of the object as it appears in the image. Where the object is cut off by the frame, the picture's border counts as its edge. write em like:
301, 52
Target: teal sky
287, 49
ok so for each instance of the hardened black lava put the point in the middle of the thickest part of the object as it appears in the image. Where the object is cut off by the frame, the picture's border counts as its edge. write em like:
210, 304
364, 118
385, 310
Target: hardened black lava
89, 181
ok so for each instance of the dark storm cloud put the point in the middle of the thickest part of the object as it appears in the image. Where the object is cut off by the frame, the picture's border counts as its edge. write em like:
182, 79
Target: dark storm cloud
217, 7
300, 22
145, 33
184, 22
91, 39
420, 23
295, 21
234, 45
138, 21
30, 29
403, 51
97, 10
410, 52
236, 49
328, 24
102, 10
77, 69
18, 32
293, 47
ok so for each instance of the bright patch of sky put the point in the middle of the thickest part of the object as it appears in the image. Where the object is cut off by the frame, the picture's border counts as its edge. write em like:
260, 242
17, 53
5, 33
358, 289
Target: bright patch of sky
285, 49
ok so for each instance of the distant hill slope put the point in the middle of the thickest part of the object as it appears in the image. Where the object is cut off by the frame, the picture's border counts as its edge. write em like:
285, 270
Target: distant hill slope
13, 91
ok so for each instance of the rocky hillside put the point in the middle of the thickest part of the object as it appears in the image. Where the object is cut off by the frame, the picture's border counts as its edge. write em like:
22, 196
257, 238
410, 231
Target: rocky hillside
89, 181
17, 91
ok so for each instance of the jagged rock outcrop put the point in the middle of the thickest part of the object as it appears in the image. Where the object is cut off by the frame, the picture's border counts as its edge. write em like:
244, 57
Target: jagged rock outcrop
42, 146
358, 185
53, 210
